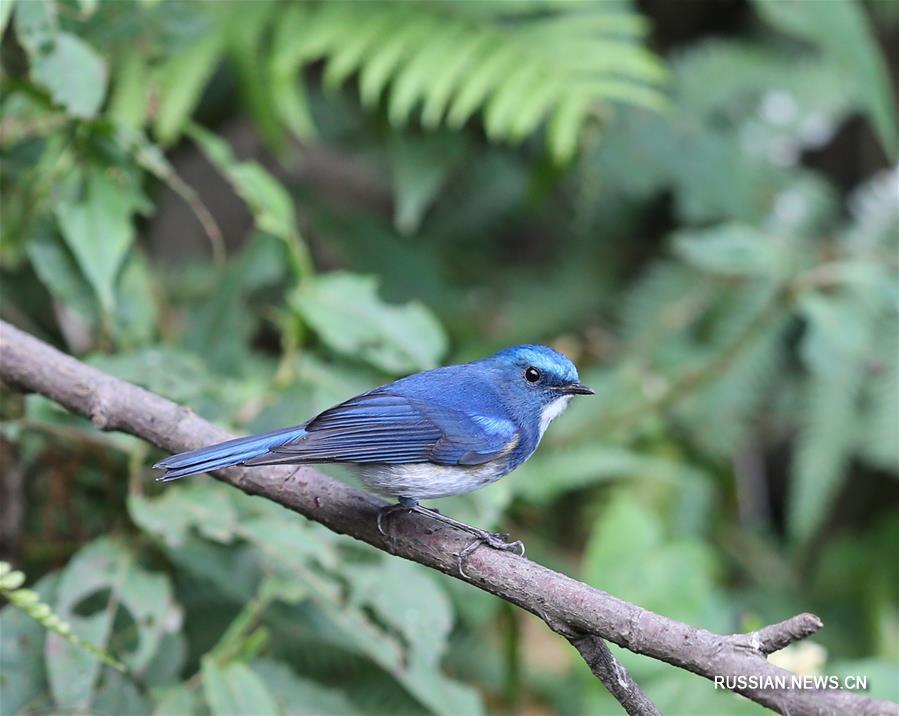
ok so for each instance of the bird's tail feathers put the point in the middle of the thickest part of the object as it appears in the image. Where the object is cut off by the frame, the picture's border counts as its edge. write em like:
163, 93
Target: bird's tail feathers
227, 454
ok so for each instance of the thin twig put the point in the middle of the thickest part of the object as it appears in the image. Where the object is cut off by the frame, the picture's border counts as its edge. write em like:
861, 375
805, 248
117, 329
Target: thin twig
150, 157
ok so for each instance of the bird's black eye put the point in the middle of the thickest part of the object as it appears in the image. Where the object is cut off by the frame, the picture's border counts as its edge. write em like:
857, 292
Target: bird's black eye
532, 375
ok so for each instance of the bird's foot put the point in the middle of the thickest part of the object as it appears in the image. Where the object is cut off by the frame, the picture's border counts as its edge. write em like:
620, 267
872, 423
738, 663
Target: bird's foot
403, 505
385, 512
495, 540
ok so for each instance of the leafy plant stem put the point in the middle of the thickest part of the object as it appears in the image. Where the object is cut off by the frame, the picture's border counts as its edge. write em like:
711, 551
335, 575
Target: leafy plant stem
29, 602
237, 633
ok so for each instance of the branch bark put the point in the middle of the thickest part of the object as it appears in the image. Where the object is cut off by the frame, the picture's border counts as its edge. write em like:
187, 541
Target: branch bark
582, 614
617, 680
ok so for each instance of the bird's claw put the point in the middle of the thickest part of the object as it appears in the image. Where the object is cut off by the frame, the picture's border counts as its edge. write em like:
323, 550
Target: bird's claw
386, 511
495, 540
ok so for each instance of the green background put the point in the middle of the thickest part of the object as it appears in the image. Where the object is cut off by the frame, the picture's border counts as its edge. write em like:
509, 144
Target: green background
258, 209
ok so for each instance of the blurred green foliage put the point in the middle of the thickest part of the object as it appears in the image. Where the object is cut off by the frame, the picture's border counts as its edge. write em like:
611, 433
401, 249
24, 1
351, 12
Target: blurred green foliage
697, 232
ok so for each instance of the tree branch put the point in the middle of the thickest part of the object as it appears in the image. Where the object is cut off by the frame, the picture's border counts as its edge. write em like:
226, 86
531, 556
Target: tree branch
608, 669
582, 614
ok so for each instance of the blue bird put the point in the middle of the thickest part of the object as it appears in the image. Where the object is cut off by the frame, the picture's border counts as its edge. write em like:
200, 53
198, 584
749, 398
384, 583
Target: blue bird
438, 433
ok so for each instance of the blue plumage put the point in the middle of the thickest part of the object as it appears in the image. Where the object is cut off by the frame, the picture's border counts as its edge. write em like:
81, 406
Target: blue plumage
432, 434
233, 452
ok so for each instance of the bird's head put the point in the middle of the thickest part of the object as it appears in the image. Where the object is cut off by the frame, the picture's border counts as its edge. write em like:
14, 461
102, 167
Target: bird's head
539, 379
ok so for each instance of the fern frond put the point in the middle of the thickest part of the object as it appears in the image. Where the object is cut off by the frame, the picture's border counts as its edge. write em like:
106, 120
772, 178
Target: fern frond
29, 602
716, 76
823, 449
875, 212
666, 301
734, 395
835, 350
555, 64
880, 434
871, 240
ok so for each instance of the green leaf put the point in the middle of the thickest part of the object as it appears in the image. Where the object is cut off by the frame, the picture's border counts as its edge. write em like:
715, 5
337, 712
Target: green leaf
839, 29
835, 337
565, 126
284, 541
495, 66
631, 556
74, 74
381, 63
235, 689
206, 506
58, 271
731, 250
407, 599
268, 200
504, 106
875, 214
675, 690
284, 589
221, 325
99, 231
181, 81
298, 696
168, 661
248, 39
318, 386
107, 568
346, 312
70, 69
128, 106
88, 7
278, 537
412, 80
292, 105
882, 427
455, 61
179, 375
551, 472
289, 50
135, 309
420, 169
5, 14
879, 672
36, 26
834, 349
447, 77
180, 700
22, 653
117, 695
354, 43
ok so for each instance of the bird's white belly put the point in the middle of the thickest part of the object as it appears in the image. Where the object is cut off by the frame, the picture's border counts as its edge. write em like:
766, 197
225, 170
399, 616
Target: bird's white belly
424, 480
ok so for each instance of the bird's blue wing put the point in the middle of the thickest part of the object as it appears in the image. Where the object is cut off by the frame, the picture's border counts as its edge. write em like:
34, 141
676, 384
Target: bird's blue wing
383, 427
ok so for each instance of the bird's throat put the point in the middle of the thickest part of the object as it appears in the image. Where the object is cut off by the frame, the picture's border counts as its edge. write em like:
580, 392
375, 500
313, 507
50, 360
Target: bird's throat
552, 411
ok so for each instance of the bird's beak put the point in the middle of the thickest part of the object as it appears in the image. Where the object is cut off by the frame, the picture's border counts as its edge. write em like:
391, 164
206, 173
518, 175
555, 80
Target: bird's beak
577, 389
